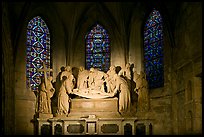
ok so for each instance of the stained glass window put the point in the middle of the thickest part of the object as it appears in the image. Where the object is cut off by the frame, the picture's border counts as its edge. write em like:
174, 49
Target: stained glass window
153, 50
98, 49
38, 51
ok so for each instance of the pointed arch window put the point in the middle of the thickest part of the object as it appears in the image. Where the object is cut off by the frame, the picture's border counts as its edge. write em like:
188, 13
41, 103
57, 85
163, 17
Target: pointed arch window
153, 50
38, 51
98, 49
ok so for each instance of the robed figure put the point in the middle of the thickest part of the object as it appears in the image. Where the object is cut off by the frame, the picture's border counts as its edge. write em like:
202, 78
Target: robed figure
45, 92
63, 95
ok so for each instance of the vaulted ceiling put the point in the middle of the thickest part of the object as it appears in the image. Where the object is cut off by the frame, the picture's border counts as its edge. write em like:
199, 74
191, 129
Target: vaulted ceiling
73, 14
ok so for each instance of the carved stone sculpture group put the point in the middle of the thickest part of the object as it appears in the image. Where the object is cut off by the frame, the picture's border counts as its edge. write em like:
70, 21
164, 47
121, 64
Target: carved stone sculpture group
93, 83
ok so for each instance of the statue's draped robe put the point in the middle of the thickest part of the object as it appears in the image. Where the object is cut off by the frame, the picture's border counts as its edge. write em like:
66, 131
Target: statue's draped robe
44, 102
124, 94
82, 79
63, 97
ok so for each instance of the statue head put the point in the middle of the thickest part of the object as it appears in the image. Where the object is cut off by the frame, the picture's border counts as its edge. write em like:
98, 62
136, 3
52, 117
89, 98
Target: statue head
142, 74
112, 67
68, 68
62, 68
91, 69
81, 68
50, 78
136, 76
127, 65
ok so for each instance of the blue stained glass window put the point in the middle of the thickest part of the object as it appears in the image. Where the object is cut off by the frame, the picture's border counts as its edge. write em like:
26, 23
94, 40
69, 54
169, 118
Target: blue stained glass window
153, 50
38, 51
98, 49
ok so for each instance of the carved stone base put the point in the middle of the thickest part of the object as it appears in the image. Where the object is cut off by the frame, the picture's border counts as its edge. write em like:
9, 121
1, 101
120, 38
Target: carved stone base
61, 116
100, 107
44, 116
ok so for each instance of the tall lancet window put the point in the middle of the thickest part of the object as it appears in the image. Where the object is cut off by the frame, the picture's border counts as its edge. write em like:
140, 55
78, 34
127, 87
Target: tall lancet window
153, 50
38, 51
98, 49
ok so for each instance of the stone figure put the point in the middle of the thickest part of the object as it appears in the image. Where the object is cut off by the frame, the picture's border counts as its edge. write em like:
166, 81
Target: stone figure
136, 77
67, 71
125, 72
109, 79
91, 84
91, 79
121, 86
99, 80
45, 92
58, 78
143, 93
63, 98
111, 71
96, 80
82, 80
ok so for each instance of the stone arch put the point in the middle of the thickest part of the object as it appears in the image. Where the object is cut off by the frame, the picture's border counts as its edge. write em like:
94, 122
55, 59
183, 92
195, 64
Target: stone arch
102, 14
145, 10
53, 23
105, 65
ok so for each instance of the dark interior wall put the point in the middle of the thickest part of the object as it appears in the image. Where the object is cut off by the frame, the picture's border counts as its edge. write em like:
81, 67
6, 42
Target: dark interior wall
187, 33
8, 98
187, 65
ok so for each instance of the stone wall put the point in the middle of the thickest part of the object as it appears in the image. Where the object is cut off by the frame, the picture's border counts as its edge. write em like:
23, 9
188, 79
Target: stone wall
187, 62
8, 92
160, 107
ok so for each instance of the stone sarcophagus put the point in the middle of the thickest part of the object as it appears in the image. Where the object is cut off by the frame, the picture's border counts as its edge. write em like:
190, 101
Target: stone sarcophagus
107, 107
